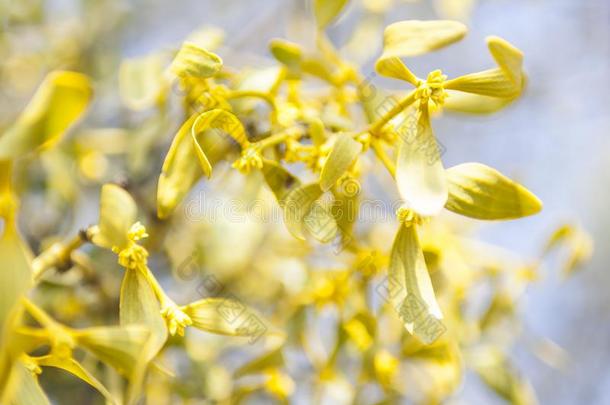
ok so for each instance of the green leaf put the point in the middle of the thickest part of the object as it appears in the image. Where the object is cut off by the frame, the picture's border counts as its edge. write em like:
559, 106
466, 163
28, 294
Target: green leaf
481, 192
410, 288
59, 102
344, 153
326, 11
419, 170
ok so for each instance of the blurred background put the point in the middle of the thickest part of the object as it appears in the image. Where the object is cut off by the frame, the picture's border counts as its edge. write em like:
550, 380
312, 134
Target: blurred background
554, 140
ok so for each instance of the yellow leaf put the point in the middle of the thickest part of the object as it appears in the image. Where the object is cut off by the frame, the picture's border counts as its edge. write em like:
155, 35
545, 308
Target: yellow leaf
118, 212
473, 103
224, 316
15, 277
320, 223
279, 180
118, 346
317, 132
286, 52
75, 368
578, 243
180, 171
297, 205
272, 359
499, 374
141, 81
410, 288
139, 306
413, 38
481, 192
492, 82
326, 11
342, 156
23, 388
223, 121
419, 170
58, 103
508, 58
192, 61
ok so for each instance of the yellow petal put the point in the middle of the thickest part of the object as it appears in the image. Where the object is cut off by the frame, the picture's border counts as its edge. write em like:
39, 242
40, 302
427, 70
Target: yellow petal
481, 192
508, 58
345, 151
192, 61
75, 368
118, 346
492, 82
58, 103
410, 288
180, 169
225, 316
297, 205
118, 212
326, 11
279, 180
141, 81
419, 170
